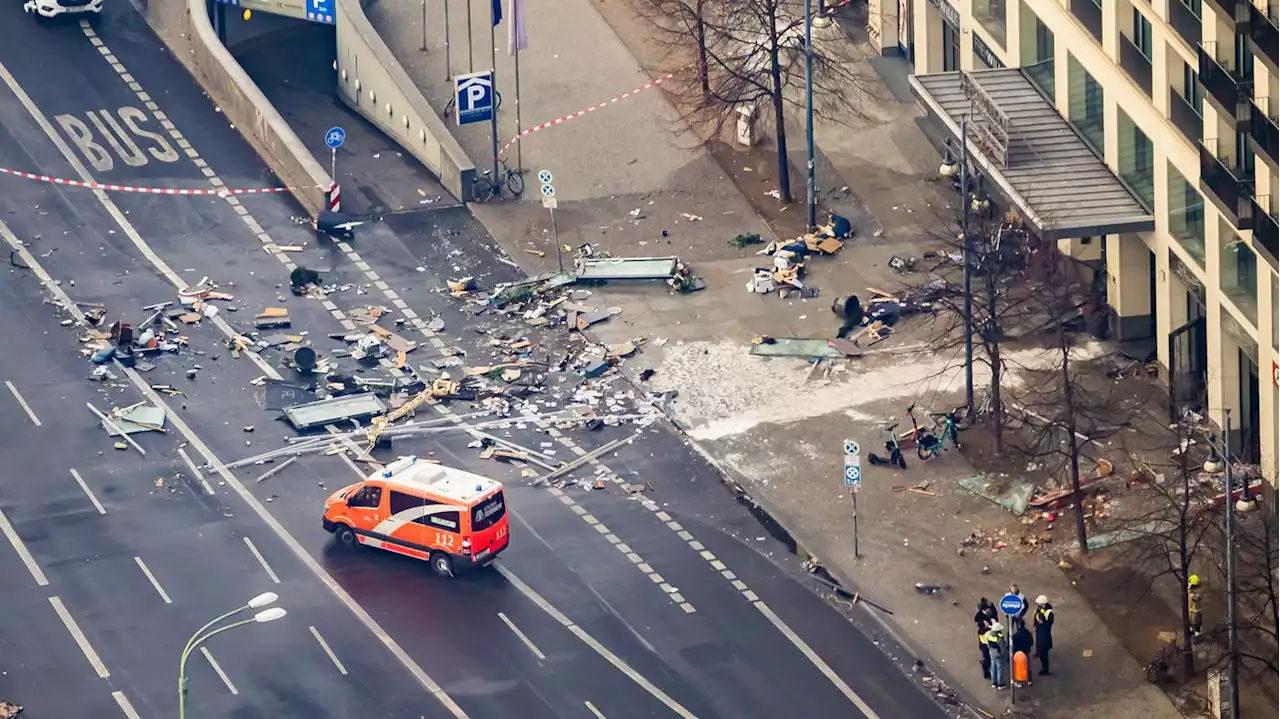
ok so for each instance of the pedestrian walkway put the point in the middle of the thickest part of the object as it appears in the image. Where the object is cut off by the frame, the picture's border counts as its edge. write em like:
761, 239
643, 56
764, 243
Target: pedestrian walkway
636, 184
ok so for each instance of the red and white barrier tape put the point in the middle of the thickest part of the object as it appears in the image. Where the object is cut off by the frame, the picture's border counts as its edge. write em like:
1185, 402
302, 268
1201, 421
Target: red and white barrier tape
143, 190
580, 113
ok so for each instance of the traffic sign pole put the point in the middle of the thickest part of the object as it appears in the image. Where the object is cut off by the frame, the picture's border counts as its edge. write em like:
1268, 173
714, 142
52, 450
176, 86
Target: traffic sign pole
333, 163
853, 481
549, 201
493, 122
1012, 605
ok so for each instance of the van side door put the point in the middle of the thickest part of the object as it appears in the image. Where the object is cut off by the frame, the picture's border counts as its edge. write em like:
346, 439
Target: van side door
401, 525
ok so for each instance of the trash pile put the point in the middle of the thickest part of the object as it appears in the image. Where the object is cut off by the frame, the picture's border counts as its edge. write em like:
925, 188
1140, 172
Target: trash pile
786, 276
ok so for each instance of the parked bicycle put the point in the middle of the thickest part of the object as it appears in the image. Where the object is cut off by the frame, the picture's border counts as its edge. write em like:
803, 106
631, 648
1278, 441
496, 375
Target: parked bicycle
929, 444
895, 457
484, 187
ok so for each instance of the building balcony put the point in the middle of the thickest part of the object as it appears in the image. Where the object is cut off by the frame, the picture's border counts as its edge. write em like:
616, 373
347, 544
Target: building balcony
1136, 65
1263, 35
1227, 88
1227, 185
1185, 22
1264, 130
1185, 117
1089, 13
1264, 228
1232, 12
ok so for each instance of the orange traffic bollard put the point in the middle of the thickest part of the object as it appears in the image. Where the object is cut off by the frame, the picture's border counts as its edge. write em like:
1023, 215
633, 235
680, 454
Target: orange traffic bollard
1020, 669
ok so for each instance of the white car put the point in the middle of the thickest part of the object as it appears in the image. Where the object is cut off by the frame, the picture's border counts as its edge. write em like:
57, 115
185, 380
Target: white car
54, 8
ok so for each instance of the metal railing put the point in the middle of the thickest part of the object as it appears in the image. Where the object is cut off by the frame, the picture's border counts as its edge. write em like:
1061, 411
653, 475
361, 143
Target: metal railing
1136, 64
1186, 22
1185, 117
1265, 227
1264, 128
1089, 13
1228, 185
1222, 80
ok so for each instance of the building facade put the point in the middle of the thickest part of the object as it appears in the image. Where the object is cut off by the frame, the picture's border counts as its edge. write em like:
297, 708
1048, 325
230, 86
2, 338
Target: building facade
1179, 99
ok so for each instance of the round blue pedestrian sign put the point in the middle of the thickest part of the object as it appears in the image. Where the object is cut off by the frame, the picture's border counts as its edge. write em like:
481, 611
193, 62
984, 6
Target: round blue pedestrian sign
335, 137
1012, 604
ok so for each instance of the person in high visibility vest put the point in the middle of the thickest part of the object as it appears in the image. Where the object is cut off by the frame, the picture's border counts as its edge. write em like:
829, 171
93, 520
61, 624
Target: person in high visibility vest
1193, 604
998, 646
1043, 621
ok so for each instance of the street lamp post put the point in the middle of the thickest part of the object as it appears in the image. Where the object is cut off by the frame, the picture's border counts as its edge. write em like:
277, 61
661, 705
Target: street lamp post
810, 181
207, 631
948, 169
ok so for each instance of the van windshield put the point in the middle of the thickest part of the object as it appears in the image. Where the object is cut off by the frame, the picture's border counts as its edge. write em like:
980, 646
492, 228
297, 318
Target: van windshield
487, 513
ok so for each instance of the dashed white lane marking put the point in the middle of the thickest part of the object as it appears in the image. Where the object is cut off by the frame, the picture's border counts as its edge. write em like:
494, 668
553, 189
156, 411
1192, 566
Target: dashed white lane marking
81, 640
594, 712
325, 646
218, 668
83, 485
152, 578
261, 560
299, 552
522, 636
611, 538
125, 705
7, 528
595, 645
208, 488
25, 407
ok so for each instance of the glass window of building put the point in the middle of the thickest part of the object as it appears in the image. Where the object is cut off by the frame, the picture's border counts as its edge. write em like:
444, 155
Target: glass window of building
1238, 271
1141, 33
950, 48
1137, 160
1086, 103
1191, 88
1186, 214
1037, 52
991, 15
1275, 315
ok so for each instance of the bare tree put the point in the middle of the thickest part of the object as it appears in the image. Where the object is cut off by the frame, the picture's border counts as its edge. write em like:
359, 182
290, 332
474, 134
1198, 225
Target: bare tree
750, 53
1066, 409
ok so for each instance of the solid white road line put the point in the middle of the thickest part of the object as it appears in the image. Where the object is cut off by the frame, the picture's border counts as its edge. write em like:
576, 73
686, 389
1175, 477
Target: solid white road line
21, 549
262, 560
80, 638
208, 488
80, 481
218, 668
521, 635
26, 407
325, 646
147, 571
595, 645
594, 712
817, 661
260, 509
125, 705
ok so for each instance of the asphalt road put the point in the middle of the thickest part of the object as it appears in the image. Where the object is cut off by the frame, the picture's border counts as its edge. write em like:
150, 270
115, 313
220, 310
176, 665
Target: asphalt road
671, 602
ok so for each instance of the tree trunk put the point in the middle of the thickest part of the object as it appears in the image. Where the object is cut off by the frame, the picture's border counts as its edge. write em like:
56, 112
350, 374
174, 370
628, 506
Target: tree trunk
1073, 445
992, 334
779, 116
700, 35
1184, 564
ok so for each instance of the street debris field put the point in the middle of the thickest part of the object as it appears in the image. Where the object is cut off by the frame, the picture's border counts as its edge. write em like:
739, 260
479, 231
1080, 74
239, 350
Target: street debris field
520, 366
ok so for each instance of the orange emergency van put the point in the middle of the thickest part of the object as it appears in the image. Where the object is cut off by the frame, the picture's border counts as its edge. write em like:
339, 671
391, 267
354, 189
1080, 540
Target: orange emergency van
449, 517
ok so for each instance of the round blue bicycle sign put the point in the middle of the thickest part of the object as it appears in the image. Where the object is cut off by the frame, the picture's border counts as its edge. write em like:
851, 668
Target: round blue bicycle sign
335, 137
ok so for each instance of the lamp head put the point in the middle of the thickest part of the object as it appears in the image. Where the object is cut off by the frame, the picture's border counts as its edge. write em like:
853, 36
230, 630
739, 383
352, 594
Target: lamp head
263, 600
269, 615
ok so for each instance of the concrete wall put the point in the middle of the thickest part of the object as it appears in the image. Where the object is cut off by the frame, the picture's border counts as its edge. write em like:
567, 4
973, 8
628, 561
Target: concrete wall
372, 82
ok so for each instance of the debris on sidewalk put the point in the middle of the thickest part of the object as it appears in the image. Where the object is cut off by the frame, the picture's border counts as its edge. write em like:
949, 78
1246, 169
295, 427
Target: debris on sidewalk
271, 318
114, 430
275, 470
766, 346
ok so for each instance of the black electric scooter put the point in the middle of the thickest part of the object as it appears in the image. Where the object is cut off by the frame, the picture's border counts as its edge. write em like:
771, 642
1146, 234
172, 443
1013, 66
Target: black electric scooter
895, 457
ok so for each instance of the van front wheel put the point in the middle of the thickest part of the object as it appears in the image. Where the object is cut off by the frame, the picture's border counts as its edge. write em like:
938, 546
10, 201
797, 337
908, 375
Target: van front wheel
346, 535
442, 565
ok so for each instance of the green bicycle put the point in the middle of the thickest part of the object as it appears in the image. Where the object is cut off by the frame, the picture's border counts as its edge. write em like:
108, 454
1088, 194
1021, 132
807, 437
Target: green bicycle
928, 444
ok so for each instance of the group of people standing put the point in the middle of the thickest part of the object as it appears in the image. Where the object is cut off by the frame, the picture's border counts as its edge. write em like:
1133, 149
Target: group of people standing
998, 650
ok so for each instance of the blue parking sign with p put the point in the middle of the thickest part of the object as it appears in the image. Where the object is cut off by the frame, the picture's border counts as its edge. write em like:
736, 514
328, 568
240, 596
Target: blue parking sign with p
473, 97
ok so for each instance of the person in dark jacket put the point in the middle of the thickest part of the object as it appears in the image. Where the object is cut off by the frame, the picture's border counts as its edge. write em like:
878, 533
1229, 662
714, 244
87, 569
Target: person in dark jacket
1044, 632
849, 310
1021, 641
982, 618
